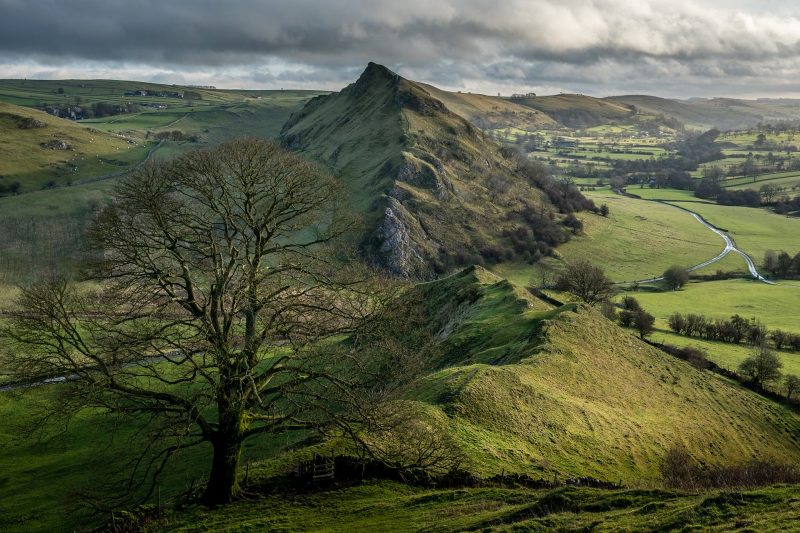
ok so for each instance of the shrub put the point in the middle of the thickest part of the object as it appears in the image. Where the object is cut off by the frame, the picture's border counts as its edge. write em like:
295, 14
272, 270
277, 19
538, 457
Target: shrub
676, 277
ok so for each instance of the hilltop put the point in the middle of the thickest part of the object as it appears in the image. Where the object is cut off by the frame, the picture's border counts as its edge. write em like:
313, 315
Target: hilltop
434, 190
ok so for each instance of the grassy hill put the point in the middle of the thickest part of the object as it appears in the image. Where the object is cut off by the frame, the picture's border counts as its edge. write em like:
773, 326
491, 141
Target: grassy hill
434, 190
566, 392
579, 111
45, 228
519, 386
492, 112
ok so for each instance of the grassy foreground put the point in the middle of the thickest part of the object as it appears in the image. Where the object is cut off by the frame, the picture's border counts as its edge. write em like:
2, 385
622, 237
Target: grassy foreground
384, 506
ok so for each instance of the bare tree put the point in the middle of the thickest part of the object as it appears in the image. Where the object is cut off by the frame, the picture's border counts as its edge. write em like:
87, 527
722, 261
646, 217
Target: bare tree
223, 309
586, 281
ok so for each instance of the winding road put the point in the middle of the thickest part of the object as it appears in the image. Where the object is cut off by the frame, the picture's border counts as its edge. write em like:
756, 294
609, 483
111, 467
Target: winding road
730, 246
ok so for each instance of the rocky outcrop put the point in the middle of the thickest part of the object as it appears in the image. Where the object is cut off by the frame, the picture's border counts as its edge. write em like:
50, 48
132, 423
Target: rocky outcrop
402, 249
56, 144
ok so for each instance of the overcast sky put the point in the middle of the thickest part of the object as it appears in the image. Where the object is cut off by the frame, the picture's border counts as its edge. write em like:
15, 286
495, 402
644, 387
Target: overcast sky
676, 48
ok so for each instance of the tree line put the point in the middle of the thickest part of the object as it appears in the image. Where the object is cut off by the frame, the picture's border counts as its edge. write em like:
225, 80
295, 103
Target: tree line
781, 264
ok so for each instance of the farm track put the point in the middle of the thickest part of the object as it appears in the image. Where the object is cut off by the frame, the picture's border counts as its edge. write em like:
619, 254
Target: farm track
730, 247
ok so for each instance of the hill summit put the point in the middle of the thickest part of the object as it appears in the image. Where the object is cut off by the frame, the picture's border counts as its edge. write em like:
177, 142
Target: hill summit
434, 190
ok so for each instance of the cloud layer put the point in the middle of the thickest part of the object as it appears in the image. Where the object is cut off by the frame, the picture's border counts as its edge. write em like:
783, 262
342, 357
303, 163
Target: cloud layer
673, 48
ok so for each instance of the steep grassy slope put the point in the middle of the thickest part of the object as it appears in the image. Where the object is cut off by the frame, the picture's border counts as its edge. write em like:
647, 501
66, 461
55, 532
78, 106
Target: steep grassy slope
37, 149
434, 191
492, 112
579, 111
566, 392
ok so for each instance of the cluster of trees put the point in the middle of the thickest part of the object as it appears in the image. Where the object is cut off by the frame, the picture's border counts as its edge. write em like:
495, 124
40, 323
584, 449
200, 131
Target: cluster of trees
539, 230
675, 277
786, 205
633, 315
735, 330
562, 193
745, 198
768, 194
781, 264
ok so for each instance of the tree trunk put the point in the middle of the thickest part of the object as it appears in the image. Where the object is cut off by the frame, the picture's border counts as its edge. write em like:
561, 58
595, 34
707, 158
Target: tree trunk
223, 482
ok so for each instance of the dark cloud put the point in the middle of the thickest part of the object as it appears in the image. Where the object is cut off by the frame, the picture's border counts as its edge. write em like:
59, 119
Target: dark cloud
593, 45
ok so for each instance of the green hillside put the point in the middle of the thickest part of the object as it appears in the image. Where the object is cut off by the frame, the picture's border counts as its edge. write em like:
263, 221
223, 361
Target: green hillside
45, 229
38, 150
566, 392
519, 386
434, 191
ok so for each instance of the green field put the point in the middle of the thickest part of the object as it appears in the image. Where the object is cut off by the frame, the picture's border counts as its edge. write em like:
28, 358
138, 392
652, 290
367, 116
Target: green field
775, 305
638, 240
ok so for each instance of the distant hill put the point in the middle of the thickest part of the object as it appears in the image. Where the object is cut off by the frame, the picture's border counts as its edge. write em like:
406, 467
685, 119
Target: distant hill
526, 387
720, 113
579, 111
492, 112
434, 190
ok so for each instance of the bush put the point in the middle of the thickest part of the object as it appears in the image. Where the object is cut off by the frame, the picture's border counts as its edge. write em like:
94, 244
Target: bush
676, 277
